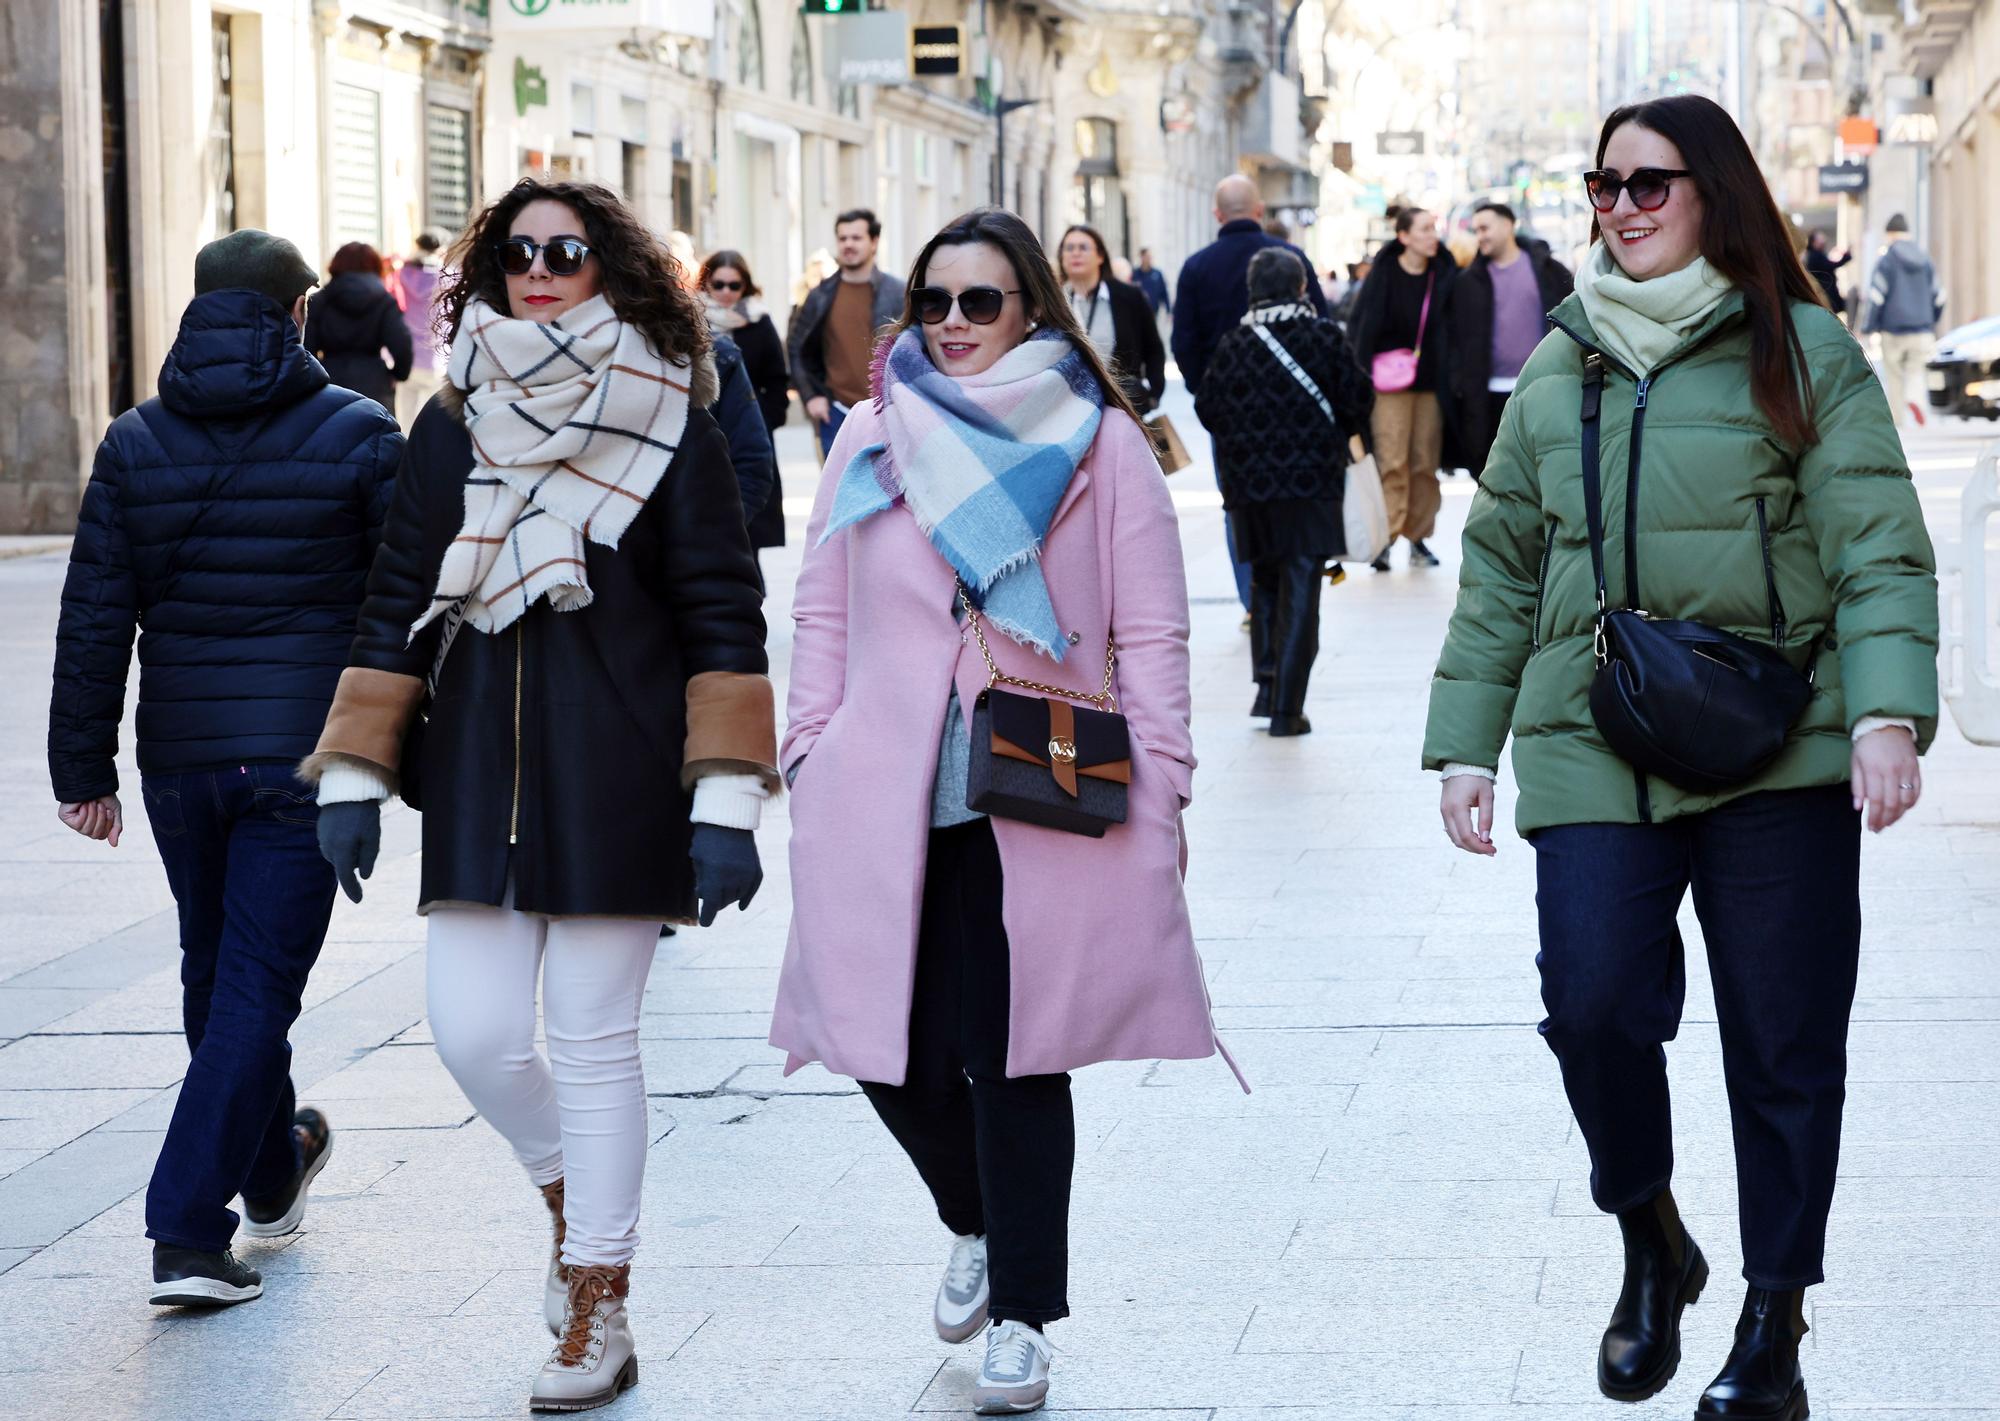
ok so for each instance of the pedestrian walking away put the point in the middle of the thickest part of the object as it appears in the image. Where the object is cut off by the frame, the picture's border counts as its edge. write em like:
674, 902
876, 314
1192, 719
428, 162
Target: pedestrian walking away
1904, 307
416, 284
1151, 280
1115, 317
1403, 312
1498, 316
1745, 447
735, 411
736, 310
354, 321
229, 522
625, 668
959, 966
831, 339
1286, 405
1824, 268
1210, 301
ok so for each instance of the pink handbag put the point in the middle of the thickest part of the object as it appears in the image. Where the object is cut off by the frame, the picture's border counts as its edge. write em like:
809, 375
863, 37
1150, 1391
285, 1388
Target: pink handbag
1396, 370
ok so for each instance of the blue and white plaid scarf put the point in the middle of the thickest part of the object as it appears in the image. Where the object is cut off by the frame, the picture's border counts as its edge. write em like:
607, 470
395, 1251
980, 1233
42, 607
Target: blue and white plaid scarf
982, 463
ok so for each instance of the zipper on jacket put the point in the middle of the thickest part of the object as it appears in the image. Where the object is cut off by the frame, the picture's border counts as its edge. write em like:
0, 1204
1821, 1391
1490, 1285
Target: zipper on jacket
1643, 793
1777, 608
520, 663
1542, 584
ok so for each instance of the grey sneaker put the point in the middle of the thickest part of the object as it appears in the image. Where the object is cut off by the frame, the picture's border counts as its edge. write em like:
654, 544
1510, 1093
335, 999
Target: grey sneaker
1015, 1377
962, 1296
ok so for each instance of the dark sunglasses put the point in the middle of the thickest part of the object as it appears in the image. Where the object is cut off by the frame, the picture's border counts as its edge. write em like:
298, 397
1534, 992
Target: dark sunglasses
563, 257
1649, 187
978, 304
725, 286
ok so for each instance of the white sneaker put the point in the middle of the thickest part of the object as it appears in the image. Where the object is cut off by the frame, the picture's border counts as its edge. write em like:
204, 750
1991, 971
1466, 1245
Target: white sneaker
962, 1296
1015, 1377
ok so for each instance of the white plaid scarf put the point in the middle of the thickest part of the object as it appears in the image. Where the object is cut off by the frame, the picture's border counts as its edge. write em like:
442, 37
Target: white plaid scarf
572, 423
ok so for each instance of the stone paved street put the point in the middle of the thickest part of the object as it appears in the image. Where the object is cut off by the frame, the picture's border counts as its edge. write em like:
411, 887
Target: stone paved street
1395, 1225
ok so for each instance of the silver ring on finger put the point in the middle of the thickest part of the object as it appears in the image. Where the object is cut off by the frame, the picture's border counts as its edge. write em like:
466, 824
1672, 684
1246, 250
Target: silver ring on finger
1905, 784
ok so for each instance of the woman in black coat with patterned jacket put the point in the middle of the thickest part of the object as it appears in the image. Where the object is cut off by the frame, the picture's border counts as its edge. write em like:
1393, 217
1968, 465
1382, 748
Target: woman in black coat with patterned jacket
565, 559
1282, 465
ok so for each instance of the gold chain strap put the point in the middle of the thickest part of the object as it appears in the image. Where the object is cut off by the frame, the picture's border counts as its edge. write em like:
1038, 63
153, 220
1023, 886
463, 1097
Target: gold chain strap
998, 677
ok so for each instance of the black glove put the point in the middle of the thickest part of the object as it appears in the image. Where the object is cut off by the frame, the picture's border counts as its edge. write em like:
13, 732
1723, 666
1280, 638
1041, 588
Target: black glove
726, 868
350, 835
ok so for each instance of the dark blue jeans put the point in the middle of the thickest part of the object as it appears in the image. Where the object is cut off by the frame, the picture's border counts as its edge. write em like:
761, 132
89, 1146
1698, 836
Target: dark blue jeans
829, 430
242, 855
1240, 570
1776, 880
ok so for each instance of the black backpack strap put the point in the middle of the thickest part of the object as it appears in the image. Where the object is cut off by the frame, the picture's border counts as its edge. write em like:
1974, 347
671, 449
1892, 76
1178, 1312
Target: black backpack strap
1593, 489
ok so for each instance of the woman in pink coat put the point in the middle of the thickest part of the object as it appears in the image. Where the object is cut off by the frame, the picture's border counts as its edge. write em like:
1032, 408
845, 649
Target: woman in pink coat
958, 965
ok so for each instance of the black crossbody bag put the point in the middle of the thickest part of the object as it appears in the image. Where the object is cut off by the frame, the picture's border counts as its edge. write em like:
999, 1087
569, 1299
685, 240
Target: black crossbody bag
1701, 708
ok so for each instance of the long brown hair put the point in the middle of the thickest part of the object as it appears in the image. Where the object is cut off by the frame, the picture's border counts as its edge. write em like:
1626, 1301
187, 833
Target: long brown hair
641, 279
1096, 240
1746, 238
732, 259
1041, 295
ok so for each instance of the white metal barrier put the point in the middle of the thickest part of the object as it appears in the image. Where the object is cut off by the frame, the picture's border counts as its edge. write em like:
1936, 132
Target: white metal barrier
1965, 650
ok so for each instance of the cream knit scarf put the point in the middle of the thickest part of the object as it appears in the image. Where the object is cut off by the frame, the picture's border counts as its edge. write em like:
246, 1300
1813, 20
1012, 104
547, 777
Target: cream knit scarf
573, 423
1641, 323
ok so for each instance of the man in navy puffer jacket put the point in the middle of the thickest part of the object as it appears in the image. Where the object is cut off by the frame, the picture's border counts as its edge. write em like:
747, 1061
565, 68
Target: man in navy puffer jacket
230, 523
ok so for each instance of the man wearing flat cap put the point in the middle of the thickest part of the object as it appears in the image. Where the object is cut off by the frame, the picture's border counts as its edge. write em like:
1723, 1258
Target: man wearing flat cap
229, 524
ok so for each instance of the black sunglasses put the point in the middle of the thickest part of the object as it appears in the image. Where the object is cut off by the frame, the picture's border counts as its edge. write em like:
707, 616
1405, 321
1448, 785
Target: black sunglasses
1649, 187
563, 257
725, 286
979, 304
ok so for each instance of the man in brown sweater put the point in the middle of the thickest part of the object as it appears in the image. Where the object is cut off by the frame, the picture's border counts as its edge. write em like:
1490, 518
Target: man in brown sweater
832, 336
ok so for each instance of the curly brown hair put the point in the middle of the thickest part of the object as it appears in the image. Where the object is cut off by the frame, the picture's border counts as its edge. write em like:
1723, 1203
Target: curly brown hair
641, 279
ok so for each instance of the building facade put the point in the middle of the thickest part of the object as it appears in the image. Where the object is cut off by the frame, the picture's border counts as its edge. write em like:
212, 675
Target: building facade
132, 132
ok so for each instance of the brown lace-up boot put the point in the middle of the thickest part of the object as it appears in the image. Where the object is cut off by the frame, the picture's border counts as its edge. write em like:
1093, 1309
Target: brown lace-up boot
555, 1290
593, 1360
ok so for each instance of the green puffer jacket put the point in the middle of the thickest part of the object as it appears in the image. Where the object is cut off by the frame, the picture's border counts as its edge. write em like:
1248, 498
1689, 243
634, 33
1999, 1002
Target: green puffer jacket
1846, 540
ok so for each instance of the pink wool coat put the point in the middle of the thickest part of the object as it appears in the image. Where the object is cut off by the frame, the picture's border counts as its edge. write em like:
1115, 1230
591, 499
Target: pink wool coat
1104, 963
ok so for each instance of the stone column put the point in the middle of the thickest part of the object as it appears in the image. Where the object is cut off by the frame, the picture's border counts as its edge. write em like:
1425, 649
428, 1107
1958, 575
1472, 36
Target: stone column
53, 402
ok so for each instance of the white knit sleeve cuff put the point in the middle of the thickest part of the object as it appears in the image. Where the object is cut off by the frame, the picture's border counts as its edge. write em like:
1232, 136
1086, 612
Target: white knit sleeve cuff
729, 801
1454, 769
1870, 723
347, 783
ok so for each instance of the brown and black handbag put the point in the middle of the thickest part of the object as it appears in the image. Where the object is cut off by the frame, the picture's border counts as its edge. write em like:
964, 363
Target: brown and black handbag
1041, 760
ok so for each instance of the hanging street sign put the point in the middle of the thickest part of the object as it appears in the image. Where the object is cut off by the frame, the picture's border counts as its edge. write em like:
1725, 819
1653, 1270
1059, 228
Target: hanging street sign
1843, 177
1391, 143
937, 50
867, 47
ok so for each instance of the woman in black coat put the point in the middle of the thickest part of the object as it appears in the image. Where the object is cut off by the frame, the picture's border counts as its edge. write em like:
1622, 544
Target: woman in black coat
1282, 464
1409, 435
355, 319
1116, 317
736, 309
601, 734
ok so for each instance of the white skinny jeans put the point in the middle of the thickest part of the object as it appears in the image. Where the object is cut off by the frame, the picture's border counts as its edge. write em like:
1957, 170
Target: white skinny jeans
580, 1115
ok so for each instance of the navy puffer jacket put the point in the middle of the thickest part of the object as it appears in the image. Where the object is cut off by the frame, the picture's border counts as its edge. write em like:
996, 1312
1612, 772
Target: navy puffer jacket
230, 522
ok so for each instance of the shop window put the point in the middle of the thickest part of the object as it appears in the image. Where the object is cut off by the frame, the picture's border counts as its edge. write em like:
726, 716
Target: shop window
357, 165
222, 128
749, 44
802, 60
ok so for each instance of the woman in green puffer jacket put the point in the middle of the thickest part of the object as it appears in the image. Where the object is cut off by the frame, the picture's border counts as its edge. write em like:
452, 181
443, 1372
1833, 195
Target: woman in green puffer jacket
1745, 429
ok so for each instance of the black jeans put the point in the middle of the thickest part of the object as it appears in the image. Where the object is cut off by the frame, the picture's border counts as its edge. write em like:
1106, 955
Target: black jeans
1284, 628
995, 1151
241, 852
1776, 880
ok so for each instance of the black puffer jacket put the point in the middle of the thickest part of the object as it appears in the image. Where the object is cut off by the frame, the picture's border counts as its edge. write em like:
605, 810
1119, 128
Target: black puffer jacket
1282, 466
554, 749
348, 325
233, 518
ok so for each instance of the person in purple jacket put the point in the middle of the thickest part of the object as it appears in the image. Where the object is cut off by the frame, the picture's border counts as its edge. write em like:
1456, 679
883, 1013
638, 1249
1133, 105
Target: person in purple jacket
417, 279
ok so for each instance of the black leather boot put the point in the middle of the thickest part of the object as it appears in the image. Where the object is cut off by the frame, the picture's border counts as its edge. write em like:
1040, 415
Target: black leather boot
1664, 1274
1761, 1381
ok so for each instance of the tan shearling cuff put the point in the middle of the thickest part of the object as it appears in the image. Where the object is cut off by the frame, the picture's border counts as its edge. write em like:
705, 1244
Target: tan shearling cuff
732, 728
371, 712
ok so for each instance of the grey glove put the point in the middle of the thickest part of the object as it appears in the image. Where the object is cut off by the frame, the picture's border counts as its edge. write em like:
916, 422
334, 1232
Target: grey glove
726, 869
350, 835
